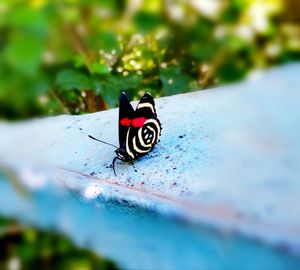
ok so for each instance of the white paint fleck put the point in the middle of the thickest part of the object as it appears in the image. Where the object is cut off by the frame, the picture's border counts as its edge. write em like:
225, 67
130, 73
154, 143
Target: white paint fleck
92, 191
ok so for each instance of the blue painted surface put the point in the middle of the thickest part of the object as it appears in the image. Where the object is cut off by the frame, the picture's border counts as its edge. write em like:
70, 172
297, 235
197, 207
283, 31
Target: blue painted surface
139, 239
227, 168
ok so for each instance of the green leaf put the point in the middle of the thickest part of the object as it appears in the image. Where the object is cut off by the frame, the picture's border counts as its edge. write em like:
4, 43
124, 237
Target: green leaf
203, 51
174, 81
146, 21
71, 79
24, 54
110, 86
30, 20
79, 60
99, 68
106, 41
234, 70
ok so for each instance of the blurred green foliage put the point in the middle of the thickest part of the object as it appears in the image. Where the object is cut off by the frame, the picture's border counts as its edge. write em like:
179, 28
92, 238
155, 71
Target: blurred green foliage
23, 247
74, 56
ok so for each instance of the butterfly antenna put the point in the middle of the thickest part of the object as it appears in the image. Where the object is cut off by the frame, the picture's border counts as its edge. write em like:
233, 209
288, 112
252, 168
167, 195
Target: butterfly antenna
102, 141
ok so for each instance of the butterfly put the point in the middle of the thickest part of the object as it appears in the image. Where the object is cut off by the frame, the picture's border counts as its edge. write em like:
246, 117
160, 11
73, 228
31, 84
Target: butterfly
139, 129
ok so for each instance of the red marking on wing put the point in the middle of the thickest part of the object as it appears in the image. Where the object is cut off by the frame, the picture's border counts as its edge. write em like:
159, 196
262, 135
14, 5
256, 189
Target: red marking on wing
125, 122
138, 122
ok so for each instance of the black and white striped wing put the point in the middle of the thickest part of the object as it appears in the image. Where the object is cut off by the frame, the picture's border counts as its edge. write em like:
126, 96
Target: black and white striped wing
142, 138
146, 107
146, 137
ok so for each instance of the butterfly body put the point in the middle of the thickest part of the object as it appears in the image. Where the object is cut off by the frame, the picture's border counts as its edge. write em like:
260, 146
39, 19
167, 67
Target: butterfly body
139, 130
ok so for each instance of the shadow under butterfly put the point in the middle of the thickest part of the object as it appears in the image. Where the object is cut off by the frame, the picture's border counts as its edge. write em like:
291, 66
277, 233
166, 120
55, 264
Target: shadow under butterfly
139, 129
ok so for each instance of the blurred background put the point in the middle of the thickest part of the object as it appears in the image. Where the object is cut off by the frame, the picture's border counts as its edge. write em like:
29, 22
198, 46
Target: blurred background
74, 57
25, 247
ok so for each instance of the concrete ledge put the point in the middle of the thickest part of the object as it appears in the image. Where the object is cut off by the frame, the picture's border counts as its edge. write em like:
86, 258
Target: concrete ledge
229, 159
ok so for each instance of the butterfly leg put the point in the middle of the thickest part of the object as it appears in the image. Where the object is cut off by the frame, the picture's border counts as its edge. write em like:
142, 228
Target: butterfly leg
133, 165
113, 165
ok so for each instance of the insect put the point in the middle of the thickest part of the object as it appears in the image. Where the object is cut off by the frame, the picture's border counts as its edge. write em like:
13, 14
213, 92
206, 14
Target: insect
139, 129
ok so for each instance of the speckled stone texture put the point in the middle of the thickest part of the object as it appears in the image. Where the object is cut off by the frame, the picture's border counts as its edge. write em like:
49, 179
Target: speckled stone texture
229, 159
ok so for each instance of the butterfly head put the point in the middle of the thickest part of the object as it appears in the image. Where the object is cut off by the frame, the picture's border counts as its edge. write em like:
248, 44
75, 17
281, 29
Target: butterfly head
122, 154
